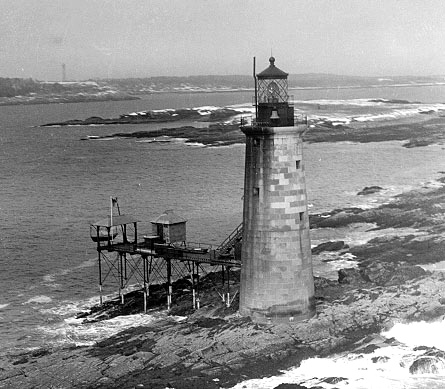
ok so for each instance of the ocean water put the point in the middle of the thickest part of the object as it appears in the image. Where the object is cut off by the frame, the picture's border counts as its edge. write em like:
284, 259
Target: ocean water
53, 184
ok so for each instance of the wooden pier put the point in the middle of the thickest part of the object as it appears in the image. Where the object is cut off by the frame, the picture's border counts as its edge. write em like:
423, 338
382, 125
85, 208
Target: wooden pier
161, 258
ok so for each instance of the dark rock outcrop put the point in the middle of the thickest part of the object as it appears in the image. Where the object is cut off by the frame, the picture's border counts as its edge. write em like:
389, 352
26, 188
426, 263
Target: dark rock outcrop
388, 274
330, 246
431, 362
369, 190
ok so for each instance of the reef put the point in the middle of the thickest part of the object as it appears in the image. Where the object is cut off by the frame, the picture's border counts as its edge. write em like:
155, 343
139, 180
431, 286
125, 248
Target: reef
421, 131
218, 134
210, 114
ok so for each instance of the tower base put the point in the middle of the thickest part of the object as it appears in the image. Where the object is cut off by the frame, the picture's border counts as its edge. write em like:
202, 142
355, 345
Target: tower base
280, 313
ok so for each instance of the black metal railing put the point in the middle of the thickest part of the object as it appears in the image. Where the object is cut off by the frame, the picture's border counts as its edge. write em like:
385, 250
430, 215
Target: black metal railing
249, 120
231, 240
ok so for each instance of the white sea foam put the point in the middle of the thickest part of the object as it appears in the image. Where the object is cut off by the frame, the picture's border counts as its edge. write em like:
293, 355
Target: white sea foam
50, 279
242, 108
195, 144
233, 145
419, 334
39, 300
201, 110
438, 266
382, 110
76, 331
105, 139
327, 264
206, 109
386, 367
354, 102
66, 308
3, 306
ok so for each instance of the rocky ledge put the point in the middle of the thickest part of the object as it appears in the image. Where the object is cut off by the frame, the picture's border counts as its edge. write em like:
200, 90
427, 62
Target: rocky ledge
418, 131
210, 114
214, 347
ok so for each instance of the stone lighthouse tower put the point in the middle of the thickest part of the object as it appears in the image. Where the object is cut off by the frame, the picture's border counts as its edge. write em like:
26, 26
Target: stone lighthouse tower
276, 276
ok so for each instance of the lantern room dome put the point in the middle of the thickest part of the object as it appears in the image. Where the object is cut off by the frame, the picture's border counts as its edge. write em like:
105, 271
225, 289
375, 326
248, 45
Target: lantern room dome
272, 71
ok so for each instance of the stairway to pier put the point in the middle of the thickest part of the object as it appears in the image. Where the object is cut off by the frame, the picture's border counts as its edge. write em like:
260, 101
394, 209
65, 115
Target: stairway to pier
229, 243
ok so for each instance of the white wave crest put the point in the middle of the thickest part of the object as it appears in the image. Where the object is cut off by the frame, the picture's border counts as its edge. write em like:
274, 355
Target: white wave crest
195, 144
356, 102
419, 334
388, 366
75, 331
39, 300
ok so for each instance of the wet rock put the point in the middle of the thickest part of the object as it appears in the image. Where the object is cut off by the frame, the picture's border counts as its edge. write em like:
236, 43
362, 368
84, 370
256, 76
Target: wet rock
350, 276
387, 274
369, 349
208, 322
380, 359
337, 218
367, 190
321, 282
333, 380
432, 362
418, 142
330, 246
20, 361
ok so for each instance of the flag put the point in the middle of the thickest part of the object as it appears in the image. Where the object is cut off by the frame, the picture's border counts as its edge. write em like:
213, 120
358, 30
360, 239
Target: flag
114, 201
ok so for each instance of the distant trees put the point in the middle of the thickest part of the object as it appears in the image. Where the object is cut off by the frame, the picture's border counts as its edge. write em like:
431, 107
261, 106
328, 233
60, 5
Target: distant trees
10, 87
170, 82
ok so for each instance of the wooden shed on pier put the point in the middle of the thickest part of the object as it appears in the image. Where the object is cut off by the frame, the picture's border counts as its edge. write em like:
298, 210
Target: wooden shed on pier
169, 227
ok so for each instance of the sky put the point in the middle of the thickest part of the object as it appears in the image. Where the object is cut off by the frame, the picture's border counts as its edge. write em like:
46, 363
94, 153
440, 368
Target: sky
145, 38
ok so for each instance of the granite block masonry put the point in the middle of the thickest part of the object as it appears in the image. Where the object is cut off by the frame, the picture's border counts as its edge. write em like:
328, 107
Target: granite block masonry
276, 275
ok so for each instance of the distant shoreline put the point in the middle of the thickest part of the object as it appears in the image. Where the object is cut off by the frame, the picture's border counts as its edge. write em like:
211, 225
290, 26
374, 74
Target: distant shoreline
57, 99
39, 100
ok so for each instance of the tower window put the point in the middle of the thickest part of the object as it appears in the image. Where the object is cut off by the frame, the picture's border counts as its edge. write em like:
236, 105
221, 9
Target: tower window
301, 216
256, 142
256, 191
297, 164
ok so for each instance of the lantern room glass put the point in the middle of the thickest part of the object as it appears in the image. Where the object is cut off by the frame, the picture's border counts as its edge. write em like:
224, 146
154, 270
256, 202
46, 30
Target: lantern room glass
272, 91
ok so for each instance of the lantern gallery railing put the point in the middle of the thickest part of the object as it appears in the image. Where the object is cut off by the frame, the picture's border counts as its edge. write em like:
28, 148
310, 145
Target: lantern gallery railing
249, 120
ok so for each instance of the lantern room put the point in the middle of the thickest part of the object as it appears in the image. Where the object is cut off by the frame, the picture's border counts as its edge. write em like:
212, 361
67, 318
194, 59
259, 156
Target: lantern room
273, 109
169, 227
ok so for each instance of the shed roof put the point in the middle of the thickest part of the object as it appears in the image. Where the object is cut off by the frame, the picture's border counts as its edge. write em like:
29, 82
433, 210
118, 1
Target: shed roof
118, 220
272, 71
168, 217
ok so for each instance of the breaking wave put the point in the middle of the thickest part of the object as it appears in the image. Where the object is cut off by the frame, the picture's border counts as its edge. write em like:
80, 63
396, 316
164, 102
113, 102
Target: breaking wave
408, 356
39, 300
75, 331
